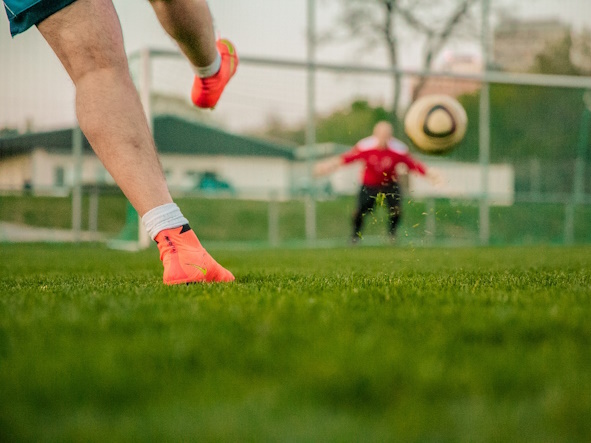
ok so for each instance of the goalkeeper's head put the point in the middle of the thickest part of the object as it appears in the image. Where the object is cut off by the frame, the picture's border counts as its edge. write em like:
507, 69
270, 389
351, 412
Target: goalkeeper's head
383, 132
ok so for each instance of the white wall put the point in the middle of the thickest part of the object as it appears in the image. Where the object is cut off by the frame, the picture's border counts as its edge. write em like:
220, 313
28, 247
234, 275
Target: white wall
347, 179
253, 176
38, 168
44, 165
14, 172
464, 180
461, 180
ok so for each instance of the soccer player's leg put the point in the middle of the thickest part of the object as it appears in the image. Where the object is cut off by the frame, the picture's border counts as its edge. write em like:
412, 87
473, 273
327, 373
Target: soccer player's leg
86, 36
190, 24
365, 203
394, 200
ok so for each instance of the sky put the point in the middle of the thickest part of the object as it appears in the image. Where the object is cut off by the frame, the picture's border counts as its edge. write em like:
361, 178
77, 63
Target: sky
34, 87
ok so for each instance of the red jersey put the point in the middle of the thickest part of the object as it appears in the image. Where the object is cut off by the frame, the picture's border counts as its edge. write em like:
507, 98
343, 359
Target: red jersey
380, 163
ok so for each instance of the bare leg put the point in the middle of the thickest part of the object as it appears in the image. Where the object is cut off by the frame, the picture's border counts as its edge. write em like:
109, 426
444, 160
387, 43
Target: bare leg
86, 36
190, 24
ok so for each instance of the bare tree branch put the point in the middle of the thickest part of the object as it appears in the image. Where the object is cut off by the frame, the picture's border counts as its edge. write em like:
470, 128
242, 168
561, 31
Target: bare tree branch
386, 20
436, 42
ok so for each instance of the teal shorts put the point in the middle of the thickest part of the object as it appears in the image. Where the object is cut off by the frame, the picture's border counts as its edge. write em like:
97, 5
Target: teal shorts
22, 14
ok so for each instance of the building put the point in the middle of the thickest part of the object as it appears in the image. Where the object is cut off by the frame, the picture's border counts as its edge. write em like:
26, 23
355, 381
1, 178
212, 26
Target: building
198, 158
581, 51
194, 157
453, 63
518, 42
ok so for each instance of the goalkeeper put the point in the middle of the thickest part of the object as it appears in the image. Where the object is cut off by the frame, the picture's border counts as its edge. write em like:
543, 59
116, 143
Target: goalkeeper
381, 153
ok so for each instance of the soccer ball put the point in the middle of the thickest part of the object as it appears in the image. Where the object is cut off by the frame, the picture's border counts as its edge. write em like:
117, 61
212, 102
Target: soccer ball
436, 123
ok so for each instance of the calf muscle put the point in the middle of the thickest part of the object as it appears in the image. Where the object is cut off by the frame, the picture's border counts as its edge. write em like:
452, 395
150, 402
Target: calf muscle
86, 36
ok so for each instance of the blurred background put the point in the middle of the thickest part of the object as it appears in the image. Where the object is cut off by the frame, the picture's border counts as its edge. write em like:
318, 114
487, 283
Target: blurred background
315, 76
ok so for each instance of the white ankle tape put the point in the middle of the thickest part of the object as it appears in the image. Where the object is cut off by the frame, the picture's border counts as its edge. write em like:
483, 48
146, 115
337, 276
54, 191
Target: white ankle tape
211, 70
163, 217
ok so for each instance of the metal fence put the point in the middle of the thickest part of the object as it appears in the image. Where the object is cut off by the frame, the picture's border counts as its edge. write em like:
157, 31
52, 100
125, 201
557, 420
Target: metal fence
550, 195
511, 116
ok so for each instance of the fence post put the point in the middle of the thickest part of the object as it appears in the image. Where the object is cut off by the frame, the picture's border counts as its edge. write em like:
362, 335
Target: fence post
484, 128
569, 223
430, 225
579, 172
310, 200
93, 209
535, 188
77, 183
273, 220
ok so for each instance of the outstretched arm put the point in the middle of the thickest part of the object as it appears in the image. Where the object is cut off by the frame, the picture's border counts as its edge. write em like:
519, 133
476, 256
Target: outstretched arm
434, 176
328, 166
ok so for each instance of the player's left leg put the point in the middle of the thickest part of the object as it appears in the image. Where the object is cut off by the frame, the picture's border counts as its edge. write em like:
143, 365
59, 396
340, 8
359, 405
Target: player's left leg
394, 200
365, 204
86, 36
190, 24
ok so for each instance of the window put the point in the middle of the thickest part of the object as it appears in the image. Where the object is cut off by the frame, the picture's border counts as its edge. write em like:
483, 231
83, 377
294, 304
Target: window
59, 176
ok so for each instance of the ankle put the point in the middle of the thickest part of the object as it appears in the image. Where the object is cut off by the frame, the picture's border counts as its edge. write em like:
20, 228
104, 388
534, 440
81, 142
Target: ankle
210, 70
167, 216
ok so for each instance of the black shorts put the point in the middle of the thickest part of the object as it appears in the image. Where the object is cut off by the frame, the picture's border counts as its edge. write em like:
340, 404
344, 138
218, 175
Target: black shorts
368, 195
22, 14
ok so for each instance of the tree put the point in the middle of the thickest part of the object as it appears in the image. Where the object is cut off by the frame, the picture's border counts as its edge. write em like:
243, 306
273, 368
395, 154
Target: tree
8, 132
556, 59
526, 122
581, 51
384, 22
347, 125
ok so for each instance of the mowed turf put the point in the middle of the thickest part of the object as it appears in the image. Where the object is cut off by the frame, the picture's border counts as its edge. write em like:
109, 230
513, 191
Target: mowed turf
361, 344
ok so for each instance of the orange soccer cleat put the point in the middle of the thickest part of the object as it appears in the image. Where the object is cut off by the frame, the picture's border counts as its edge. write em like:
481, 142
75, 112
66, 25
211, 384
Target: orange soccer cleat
207, 91
186, 261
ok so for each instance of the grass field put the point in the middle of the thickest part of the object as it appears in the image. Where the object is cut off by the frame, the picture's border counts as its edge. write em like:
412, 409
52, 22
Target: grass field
367, 344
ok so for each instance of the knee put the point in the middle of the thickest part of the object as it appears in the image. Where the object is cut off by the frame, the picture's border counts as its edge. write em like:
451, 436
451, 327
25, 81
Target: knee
93, 50
96, 56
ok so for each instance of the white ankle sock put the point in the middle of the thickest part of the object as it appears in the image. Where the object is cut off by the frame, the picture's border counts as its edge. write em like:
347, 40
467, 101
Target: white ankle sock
163, 217
211, 70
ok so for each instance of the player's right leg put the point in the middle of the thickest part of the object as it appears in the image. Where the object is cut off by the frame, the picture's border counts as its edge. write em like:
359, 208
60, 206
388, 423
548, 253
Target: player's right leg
86, 36
190, 24
365, 203
394, 200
